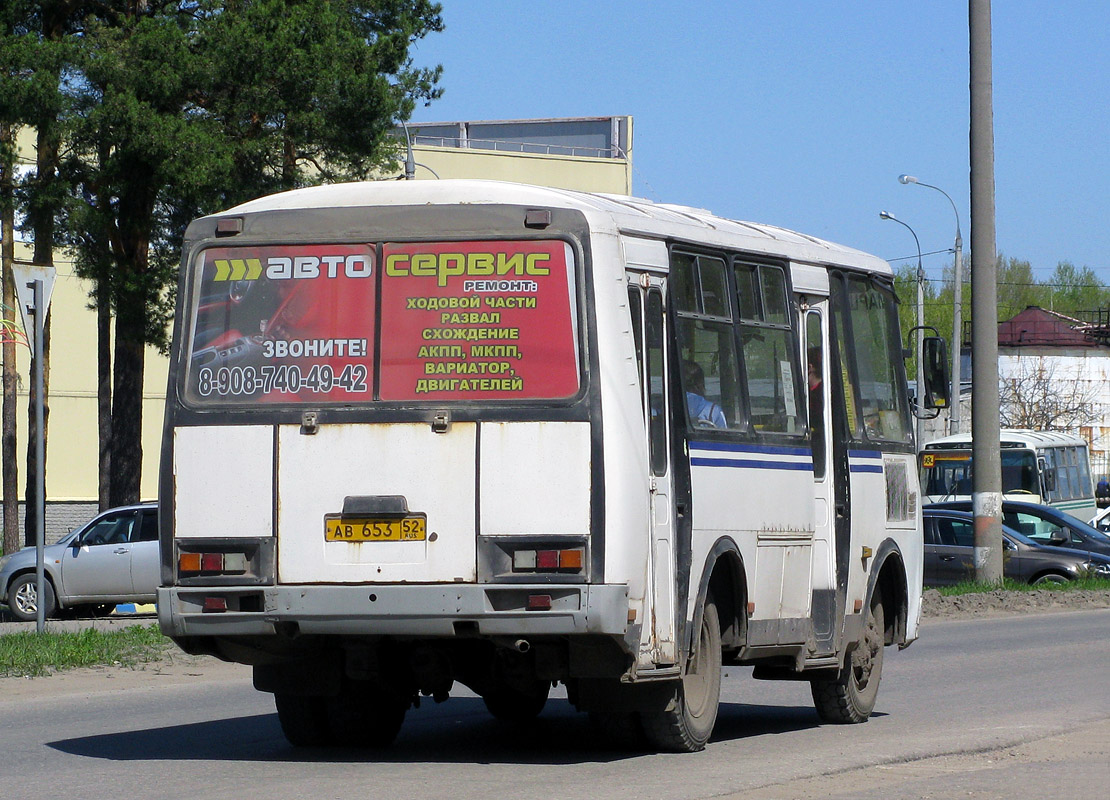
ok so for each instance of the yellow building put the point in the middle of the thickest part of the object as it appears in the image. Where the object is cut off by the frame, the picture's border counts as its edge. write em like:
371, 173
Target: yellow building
589, 154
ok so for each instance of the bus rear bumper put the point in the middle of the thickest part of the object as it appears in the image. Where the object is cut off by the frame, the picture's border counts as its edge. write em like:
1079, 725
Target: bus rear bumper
395, 610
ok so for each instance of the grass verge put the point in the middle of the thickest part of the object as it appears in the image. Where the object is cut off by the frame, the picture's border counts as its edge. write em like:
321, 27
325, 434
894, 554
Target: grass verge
1009, 585
29, 654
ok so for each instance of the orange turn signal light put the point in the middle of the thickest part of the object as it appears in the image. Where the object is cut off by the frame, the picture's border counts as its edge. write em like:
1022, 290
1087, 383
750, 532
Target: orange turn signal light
188, 562
570, 559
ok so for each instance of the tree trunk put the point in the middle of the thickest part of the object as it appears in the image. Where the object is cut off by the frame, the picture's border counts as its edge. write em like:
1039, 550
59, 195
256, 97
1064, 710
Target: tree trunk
127, 410
8, 448
104, 393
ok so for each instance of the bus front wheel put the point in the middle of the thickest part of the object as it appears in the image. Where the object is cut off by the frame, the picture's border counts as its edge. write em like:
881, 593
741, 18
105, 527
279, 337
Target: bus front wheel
850, 696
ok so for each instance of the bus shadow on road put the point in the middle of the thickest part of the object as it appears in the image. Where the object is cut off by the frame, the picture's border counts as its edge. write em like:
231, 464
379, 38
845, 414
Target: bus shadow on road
459, 731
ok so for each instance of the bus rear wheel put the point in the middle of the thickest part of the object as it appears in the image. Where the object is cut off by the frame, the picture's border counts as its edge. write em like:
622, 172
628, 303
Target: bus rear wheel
517, 704
364, 714
685, 725
850, 697
304, 720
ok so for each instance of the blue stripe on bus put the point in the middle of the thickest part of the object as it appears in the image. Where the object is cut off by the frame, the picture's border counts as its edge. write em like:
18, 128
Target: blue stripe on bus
698, 460
865, 454
751, 464
865, 468
773, 450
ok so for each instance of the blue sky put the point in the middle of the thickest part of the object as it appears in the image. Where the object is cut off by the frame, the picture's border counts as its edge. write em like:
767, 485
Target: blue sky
803, 114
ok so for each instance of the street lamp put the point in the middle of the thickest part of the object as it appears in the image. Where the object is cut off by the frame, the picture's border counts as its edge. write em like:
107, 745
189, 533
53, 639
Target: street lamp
920, 329
957, 305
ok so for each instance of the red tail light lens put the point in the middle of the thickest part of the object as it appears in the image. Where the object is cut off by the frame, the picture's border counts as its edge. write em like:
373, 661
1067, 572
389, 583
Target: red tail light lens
212, 562
571, 560
547, 559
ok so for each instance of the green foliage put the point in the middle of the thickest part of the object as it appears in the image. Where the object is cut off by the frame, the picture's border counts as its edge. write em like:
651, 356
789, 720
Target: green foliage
165, 111
1076, 290
1071, 291
181, 109
34, 654
1085, 583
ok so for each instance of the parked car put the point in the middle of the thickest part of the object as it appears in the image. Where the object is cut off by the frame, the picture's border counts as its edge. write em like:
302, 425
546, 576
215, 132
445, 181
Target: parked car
1045, 525
950, 548
1101, 520
112, 559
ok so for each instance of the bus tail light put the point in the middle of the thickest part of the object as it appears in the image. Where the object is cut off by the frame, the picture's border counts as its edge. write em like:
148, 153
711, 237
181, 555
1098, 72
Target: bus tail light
569, 559
191, 564
539, 602
543, 558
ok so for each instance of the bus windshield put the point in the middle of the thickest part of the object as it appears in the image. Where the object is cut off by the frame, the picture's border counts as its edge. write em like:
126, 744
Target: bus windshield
947, 473
443, 321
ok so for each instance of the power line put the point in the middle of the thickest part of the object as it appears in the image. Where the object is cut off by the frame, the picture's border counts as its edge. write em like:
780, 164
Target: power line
1025, 285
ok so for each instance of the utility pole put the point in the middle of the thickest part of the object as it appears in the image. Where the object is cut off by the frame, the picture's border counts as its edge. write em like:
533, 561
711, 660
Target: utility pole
33, 287
957, 329
986, 490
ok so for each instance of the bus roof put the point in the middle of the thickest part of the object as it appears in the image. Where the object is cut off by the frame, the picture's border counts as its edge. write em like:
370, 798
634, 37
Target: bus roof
616, 213
1012, 437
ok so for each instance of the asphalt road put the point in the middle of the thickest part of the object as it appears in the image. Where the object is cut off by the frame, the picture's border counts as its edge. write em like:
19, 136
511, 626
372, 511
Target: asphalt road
1003, 707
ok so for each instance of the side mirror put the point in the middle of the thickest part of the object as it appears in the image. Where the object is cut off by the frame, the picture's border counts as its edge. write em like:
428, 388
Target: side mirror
1048, 475
934, 362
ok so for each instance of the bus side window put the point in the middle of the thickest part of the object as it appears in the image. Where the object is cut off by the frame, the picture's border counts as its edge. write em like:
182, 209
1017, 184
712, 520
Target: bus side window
637, 314
767, 339
850, 401
706, 341
657, 385
877, 352
815, 388
1085, 486
1073, 473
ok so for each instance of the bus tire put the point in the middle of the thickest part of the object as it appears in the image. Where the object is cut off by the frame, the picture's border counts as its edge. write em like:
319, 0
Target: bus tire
849, 698
365, 714
685, 725
511, 704
304, 720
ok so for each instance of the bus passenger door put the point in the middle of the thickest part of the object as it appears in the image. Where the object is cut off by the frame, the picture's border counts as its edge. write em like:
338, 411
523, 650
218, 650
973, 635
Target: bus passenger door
646, 300
825, 478
843, 419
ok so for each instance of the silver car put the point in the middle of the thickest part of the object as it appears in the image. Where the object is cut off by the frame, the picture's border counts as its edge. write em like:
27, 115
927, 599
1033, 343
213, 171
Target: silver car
112, 559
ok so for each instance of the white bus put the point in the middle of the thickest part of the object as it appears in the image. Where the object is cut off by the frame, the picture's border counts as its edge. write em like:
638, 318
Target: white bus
511, 436
1047, 467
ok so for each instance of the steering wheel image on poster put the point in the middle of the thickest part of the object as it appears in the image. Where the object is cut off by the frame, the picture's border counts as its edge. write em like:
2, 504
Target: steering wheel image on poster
300, 309
231, 325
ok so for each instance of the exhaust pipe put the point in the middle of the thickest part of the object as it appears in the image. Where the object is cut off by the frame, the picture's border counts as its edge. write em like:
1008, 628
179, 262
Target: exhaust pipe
522, 645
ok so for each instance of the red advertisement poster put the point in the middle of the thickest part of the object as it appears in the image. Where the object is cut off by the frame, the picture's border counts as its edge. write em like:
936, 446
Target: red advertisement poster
478, 321
284, 324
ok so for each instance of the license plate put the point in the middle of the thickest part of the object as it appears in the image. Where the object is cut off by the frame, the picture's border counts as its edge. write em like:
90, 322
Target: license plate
403, 529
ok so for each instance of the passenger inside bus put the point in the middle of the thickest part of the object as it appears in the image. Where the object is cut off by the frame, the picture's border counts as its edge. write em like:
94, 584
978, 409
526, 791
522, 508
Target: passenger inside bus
703, 412
816, 407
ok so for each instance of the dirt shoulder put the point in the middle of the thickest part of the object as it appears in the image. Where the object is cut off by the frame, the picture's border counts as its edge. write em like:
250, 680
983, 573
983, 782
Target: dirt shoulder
173, 669
1000, 603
